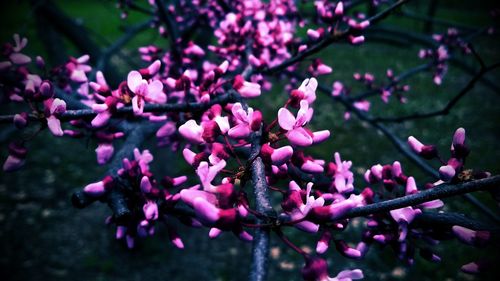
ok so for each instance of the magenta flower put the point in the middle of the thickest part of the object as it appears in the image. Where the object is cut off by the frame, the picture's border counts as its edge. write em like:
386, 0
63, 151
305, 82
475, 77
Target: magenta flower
426, 151
150, 210
306, 91
16, 57
296, 209
296, 134
316, 269
104, 153
97, 189
343, 176
77, 67
276, 156
319, 68
245, 88
144, 92
192, 132
207, 173
246, 121
404, 217
16, 158
53, 108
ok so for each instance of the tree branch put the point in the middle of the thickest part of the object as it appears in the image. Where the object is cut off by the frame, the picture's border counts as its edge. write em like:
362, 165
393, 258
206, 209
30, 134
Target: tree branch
260, 249
130, 33
400, 145
445, 110
88, 113
136, 135
336, 36
438, 192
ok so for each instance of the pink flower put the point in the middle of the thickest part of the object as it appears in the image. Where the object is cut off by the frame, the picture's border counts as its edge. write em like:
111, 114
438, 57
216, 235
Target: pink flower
276, 156
245, 88
339, 9
426, 151
316, 269
319, 68
296, 134
246, 121
337, 89
192, 132
16, 158
77, 68
471, 237
193, 49
343, 176
104, 153
53, 108
97, 189
314, 34
17, 57
297, 209
150, 210
144, 91
306, 91
207, 173
404, 217
143, 159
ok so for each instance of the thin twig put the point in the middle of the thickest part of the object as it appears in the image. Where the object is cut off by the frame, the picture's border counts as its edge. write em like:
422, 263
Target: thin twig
445, 110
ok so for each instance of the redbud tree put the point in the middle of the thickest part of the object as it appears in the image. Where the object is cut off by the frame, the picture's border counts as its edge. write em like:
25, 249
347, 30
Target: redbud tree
231, 89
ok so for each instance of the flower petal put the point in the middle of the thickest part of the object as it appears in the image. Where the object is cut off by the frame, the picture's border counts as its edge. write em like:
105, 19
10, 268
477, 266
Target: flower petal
134, 79
299, 137
286, 119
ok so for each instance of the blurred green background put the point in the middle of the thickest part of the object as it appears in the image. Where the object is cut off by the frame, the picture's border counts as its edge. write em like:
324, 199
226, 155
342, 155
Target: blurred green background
44, 238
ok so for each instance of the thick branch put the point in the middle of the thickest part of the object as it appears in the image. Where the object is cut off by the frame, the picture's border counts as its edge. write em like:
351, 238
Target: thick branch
448, 220
401, 146
260, 250
438, 192
127, 110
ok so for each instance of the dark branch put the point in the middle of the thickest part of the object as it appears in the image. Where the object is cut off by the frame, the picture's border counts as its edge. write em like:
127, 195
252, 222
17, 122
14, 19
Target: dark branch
438, 192
130, 33
397, 79
127, 110
400, 145
136, 135
445, 110
336, 36
260, 250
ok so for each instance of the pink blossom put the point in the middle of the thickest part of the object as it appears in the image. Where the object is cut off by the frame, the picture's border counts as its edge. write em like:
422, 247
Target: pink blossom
144, 91
78, 68
276, 156
192, 132
337, 89
306, 91
244, 120
53, 108
16, 158
344, 178
150, 210
97, 189
245, 88
207, 173
339, 9
104, 153
296, 134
